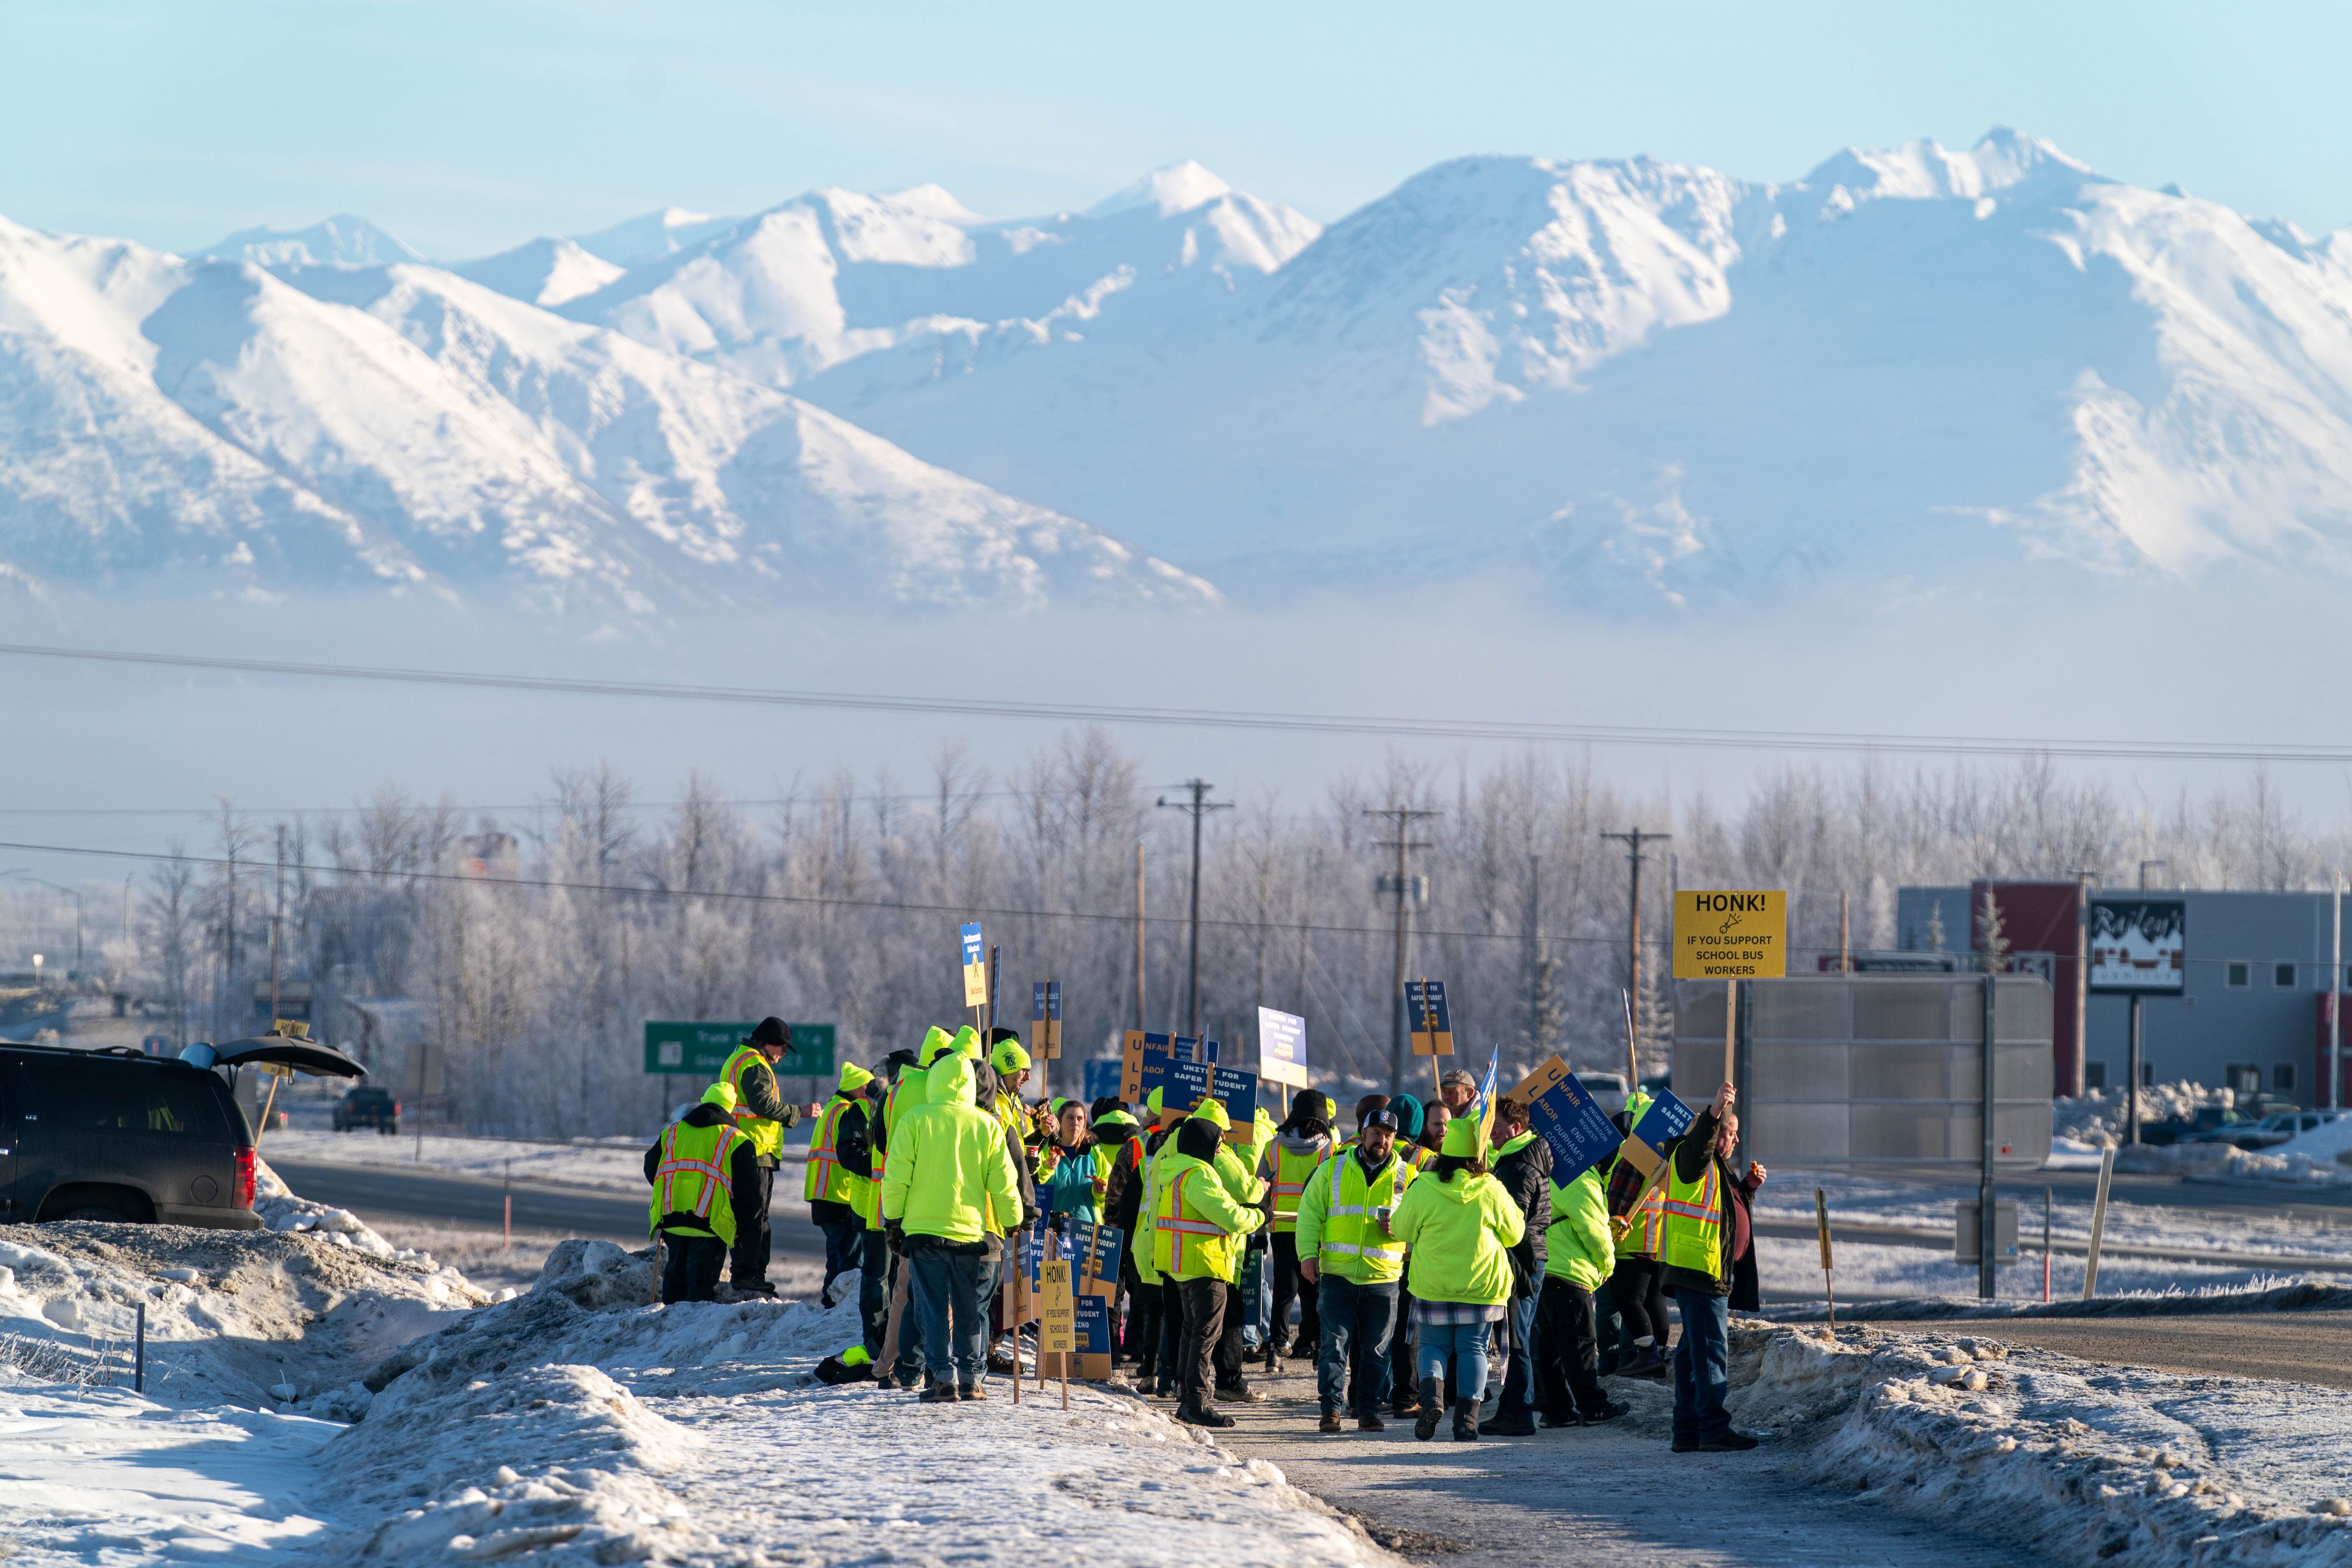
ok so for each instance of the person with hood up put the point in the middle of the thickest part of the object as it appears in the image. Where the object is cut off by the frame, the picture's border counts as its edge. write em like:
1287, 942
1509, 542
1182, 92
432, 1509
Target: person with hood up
1522, 1163
1302, 1142
949, 1170
991, 1094
1235, 1165
1580, 1257
696, 1166
1195, 1229
1413, 1119
1458, 1227
839, 1172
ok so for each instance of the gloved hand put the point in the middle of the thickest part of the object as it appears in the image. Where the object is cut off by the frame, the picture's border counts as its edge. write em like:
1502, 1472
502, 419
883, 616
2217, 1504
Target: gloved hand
895, 1234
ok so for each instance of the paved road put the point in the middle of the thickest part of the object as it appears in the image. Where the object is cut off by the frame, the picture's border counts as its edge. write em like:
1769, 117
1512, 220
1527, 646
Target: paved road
372, 1190
2031, 1243
2287, 1347
1595, 1495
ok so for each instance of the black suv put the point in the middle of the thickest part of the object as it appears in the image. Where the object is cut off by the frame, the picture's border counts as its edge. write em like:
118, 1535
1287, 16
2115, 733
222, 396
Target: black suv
367, 1108
115, 1134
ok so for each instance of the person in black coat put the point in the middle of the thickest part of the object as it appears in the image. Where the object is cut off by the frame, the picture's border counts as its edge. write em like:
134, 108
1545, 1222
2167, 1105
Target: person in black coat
1522, 1163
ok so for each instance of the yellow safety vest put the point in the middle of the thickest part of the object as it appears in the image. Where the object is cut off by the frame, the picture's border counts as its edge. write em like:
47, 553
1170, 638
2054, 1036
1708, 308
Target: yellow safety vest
1695, 1223
692, 1179
1348, 1231
1290, 1175
828, 1180
1181, 1241
766, 1136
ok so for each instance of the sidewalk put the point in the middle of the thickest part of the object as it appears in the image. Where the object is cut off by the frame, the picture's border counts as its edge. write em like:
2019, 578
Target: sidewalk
1611, 1494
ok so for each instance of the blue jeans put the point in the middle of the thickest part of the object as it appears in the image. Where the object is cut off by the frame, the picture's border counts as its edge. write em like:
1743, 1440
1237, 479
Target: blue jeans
1464, 1345
1702, 1367
947, 1293
1356, 1322
1519, 1377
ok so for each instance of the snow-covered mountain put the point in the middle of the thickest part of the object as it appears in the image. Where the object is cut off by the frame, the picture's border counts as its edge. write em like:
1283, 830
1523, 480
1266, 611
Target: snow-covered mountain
1657, 382
1628, 383
405, 427
343, 240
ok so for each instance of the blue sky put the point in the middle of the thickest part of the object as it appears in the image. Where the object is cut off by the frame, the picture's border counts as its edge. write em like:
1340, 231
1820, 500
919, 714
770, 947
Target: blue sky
467, 127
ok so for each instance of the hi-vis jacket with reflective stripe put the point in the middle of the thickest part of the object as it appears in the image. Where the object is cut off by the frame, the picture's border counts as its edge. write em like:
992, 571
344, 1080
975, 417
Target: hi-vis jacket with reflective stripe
1335, 1219
1695, 1222
766, 1136
1289, 1161
692, 1180
829, 1181
1196, 1222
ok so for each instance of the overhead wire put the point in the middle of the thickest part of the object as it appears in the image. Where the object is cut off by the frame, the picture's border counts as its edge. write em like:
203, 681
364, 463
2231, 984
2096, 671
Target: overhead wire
1399, 728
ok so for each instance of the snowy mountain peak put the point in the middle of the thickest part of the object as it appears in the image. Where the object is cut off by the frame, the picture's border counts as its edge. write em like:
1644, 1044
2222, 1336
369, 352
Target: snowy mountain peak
1177, 188
343, 240
652, 236
542, 272
933, 200
1925, 170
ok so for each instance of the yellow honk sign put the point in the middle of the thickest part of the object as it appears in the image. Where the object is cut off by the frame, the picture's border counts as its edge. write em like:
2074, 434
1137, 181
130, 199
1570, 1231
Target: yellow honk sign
1731, 935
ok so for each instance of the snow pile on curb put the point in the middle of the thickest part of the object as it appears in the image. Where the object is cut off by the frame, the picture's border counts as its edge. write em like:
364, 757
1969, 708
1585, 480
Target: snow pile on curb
248, 1317
2083, 1463
2098, 1117
581, 1421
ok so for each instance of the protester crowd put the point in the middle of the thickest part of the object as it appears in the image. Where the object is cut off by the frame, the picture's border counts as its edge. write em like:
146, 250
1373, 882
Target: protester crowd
1427, 1251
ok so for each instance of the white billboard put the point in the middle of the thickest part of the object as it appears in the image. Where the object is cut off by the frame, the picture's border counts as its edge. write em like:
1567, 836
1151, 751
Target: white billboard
2136, 944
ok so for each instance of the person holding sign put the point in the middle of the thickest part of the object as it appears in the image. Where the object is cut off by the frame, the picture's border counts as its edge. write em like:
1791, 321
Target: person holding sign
1195, 1223
949, 1171
1579, 1258
1458, 1225
1706, 1231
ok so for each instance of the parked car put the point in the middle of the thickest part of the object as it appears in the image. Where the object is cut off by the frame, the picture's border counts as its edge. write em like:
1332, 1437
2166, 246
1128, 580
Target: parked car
2273, 1130
118, 1135
2198, 1129
367, 1108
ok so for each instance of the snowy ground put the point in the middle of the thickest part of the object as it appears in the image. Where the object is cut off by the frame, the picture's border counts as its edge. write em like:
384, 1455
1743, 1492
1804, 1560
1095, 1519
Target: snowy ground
2084, 1462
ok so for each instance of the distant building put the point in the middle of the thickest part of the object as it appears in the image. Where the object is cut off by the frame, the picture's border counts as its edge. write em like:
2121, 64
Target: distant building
493, 856
2251, 1013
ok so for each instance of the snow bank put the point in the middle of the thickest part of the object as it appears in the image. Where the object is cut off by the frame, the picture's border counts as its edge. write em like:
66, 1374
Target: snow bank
580, 1419
2079, 1462
271, 1318
2100, 1116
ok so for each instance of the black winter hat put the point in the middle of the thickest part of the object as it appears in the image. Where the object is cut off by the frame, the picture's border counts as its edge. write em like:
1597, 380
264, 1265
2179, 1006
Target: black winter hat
1312, 1102
1197, 1138
772, 1032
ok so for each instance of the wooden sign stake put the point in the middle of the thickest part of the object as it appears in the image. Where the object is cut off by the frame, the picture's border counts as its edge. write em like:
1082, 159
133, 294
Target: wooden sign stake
1822, 1224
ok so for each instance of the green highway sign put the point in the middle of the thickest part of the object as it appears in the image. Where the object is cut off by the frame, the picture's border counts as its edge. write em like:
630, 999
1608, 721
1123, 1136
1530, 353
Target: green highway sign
699, 1051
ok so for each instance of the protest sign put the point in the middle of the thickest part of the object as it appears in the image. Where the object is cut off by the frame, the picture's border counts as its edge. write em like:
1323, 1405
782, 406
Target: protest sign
1281, 1047
1134, 1047
1189, 1083
1432, 1020
1666, 1120
1045, 1020
1563, 1112
975, 968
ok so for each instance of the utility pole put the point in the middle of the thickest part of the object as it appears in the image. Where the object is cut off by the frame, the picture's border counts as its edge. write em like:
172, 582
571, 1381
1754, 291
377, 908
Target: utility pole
1535, 959
1200, 805
1845, 936
1633, 840
2335, 997
1139, 933
2138, 1053
2082, 981
1404, 818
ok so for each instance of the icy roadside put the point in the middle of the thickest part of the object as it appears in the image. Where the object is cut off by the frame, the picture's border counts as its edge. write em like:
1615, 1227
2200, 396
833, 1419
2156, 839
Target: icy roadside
695, 1433
612, 1165
2085, 1462
2082, 1127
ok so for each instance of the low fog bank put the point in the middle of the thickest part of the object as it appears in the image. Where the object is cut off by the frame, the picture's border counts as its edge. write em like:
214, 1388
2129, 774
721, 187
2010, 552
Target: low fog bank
101, 753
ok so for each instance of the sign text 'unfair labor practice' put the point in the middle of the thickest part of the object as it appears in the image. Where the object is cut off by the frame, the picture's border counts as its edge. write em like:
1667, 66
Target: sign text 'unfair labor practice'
1730, 936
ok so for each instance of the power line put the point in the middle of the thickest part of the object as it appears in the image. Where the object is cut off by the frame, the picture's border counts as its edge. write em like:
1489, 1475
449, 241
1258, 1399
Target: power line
1522, 732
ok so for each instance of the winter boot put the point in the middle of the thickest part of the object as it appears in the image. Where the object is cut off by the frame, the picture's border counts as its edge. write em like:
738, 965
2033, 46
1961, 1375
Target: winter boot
1425, 1425
1331, 1422
1521, 1425
937, 1391
968, 1391
1465, 1421
1201, 1413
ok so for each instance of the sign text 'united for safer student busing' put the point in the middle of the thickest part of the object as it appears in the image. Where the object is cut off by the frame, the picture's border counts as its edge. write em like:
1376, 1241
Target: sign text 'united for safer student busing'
1731, 935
